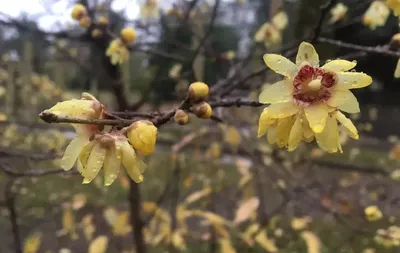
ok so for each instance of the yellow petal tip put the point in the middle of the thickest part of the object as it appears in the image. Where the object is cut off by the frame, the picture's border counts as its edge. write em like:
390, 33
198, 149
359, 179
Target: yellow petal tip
318, 129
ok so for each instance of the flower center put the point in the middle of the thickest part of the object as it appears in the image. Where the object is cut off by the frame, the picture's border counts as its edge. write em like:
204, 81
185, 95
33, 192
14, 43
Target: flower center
313, 85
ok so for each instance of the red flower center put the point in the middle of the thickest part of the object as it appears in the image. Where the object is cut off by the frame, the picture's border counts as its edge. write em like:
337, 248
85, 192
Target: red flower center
313, 85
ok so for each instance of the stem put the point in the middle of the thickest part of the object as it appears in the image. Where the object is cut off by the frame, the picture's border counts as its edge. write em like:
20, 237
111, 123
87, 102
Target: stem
135, 219
10, 203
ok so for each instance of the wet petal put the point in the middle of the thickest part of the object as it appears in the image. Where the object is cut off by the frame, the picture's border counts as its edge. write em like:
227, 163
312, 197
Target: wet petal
352, 80
271, 135
347, 124
130, 163
141, 165
339, 97
85, 152
283, 130
280, 64
339, 65
94, 162
282, 110
111, 167
316, 116
308, 54
264, 122
296, 134
328, 138
72, 151
307, 131
350, 105
276, 93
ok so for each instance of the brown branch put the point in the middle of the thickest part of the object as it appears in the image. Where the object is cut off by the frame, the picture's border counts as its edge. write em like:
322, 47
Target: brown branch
10, 204
382, 50
324, 11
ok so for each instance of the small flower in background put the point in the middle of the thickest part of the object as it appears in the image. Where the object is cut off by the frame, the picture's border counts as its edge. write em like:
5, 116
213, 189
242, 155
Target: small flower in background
108, 151
388, 237
118, 52
372, 213
142, 135
307, 103
78, 11
149, 9
229, 55
271, 32
128, 35
376, 15
175, 71
88, 107
338, 13
394, 5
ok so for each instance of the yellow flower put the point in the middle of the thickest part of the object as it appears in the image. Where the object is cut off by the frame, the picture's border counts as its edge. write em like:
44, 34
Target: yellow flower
118, 52
372, 213
338, 13
280, 20
149, 9
397, 70
394, 5
128, 35
78, 11
88, 107
108, 151
388, 237
142, 135
306, 103
268, 34
376, 15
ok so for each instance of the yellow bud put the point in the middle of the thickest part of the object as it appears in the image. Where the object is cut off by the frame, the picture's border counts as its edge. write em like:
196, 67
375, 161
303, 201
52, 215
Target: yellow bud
395, 42
97, 33
103, 20
85, 22
128, 35
373, 213
198, 91
181, 117
142, 135
202, 110
78, 11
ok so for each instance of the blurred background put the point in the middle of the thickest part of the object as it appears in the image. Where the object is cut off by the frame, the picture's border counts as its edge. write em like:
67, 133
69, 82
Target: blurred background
211, 186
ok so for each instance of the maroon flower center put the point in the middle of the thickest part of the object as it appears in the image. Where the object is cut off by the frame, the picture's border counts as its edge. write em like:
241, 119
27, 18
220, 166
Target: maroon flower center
313, 85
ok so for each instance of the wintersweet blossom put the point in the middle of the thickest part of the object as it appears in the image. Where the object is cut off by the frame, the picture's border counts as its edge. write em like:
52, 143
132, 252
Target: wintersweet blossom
373, 213
142, 135
88, 107
308, 102
394, 5
376, 15
271, 32
118, 52
149, 9
389, 237
338, 13
108, 151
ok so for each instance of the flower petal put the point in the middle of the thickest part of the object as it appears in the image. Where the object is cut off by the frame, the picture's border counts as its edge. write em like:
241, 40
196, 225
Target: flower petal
339, 65
72, 151
129, 162
308, 54
271, 135
328, 138
347, 124
279, 92
397, 70
111, 167
280, 64
316, 116
283, 130
352, 80
94, 162
350, 105
296, 134
339, 97
264, 122
85, 152
260, 34
141, 165
282, 110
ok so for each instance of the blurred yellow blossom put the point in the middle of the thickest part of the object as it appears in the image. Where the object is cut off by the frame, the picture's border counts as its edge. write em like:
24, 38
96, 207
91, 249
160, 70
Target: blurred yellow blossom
142, 135
108, 151
280, 20
372, 213
307, 103
376, 15
394, 5
268, 34
388, 237
118, 52
175, 71
128, 35
149, 9
338, 13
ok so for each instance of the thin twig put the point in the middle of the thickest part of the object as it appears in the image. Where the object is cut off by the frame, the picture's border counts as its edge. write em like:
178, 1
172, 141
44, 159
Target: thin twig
10, 204
324, 11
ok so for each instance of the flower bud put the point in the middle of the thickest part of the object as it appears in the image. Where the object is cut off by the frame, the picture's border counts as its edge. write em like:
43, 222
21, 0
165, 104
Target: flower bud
395, 42
202, 110
103, 20
85, 22
198, 91
181, 117
142, 135
97, 33
128, 35
78, 11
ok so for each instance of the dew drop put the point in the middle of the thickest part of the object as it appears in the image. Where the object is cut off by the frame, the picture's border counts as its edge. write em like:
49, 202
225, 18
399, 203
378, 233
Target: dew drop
355, 82
354, 61
327, 61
